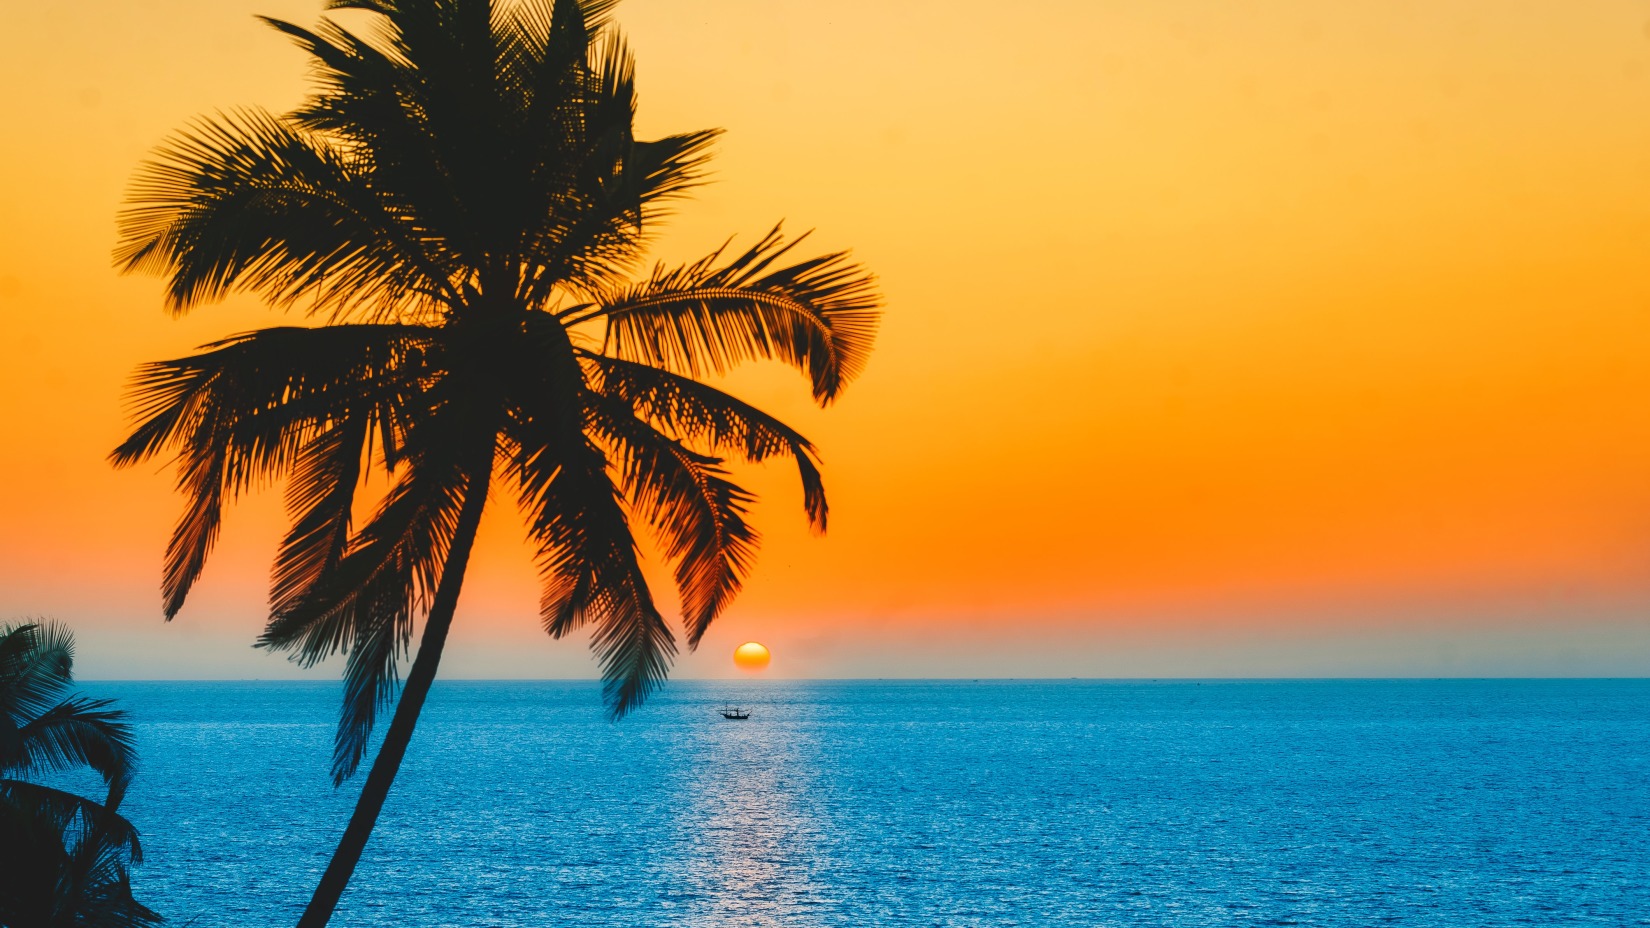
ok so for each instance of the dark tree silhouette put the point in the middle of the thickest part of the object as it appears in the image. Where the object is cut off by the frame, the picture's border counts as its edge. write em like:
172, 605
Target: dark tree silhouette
63, 858
461, 203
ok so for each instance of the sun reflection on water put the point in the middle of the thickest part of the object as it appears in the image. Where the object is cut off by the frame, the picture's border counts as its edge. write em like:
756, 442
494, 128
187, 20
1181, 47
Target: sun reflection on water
754, 844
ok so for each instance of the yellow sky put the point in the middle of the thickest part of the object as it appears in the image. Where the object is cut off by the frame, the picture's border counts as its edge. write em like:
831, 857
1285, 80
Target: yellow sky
1223, 337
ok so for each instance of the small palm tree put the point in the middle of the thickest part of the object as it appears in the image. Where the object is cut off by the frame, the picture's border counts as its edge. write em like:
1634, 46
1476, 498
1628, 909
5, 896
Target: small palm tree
463, 204
63, 858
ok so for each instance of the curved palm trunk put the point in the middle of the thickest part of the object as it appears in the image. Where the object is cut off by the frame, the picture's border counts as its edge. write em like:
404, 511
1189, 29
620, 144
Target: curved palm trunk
388, 761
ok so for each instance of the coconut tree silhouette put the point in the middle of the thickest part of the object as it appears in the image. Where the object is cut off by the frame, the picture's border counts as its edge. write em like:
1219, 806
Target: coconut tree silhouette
64, 859
461, 204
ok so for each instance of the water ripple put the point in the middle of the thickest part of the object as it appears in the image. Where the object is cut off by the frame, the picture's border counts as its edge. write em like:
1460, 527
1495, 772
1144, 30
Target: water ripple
1436, 804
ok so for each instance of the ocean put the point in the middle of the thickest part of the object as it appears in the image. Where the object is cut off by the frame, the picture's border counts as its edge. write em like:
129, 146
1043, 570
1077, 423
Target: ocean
1448, 803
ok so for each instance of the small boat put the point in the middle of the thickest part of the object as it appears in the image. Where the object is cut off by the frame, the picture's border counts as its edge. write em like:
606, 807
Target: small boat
729, 712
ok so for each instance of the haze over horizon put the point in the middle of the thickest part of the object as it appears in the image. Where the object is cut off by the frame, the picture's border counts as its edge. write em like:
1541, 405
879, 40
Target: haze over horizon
1223, 340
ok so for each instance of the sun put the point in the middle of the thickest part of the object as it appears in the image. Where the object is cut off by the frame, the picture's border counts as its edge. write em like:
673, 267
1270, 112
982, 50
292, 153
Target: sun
751, 656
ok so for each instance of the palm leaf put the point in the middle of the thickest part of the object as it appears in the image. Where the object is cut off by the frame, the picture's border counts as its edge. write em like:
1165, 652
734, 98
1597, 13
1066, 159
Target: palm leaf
321, 500
242, 411
36, 668
819, 315
374, 99
698, 413
363, 600
587, 557
591, 186
66, 861
692, 504
78, 732
251, 200
76, 818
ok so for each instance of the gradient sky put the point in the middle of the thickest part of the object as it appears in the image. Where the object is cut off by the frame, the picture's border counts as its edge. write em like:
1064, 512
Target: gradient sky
1224, 338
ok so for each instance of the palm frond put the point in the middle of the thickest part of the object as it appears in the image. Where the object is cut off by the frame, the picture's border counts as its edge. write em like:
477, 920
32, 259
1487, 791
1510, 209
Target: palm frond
66, 862
589, 241
631, 640
253, 201
587, 558
242, 411
544, 46
671, 166
722, 424
372, 673
392, 117
102, 886
36, 668
77, 818
321, 500
365, 601
399, 548
591, 186
819, 315
78, 732
694, 506
511, 150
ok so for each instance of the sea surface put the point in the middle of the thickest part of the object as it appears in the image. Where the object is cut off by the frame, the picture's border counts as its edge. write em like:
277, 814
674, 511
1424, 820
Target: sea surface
1454, 803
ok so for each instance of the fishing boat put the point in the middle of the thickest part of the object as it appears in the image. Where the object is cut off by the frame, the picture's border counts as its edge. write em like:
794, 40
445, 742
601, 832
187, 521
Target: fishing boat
730, 712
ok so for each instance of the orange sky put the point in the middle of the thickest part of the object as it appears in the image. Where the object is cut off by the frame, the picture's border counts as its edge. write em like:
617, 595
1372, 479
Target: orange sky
1224, 338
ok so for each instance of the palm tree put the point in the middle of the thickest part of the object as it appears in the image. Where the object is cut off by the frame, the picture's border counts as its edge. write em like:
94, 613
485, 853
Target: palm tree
462, 204
65, 857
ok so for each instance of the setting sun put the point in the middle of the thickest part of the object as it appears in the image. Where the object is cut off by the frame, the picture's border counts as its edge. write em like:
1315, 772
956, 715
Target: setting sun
751, 656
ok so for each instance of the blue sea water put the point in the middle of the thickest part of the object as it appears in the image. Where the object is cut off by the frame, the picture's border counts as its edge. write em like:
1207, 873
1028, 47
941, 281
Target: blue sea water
1083, 803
